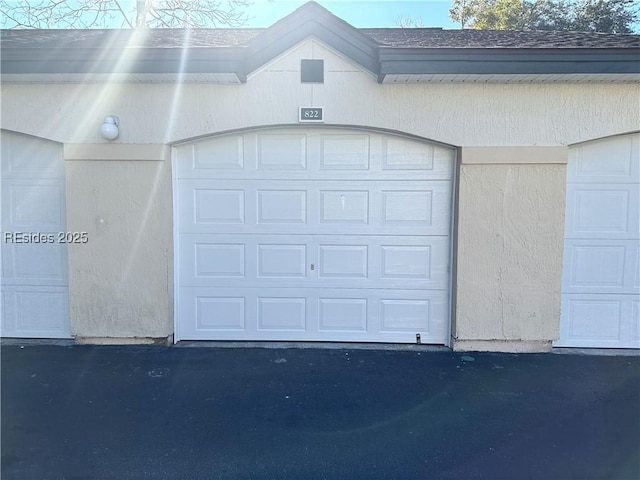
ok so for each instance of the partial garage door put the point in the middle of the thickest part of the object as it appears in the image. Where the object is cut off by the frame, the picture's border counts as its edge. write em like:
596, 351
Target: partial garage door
601, 272
34, 288
315, 234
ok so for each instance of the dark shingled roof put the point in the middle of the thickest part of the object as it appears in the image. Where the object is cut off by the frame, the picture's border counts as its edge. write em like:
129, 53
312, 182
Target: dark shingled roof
153, 38
385, 37
439, 38
382, 51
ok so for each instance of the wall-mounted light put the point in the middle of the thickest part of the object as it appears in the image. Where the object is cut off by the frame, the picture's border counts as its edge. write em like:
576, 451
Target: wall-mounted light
109, 128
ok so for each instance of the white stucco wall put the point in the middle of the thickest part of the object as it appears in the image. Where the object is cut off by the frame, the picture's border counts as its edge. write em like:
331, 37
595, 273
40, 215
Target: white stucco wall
510, 212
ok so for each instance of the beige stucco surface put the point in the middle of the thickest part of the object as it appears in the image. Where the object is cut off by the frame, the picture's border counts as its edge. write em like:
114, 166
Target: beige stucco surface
513, 155
511, 211
120, 281
482, 114
457, 114
510, 235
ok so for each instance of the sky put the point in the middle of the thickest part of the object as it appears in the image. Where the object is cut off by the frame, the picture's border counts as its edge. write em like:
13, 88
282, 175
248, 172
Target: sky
359, 13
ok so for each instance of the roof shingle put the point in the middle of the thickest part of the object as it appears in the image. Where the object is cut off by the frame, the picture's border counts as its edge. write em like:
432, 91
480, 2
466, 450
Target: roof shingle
385, 37
468, 38
382, 51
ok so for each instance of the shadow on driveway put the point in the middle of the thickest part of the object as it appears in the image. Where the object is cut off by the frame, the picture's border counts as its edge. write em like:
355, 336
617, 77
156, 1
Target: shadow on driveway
89, 412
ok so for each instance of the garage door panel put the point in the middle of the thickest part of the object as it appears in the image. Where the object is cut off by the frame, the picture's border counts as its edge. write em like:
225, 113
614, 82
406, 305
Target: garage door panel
226, 153
219, 260
217, 206
278, 261
404, 261
298, 314
281, 313
601, 266
344, 207
406, 208
213, 313
281, 206
30, 158
342, 314
615, 160
282, 152
600, 321
427, 315
33, 205
311, 262
330, 154
401, 154
35, 311
34, 263
591, 319
344, 152
602, 211
343, 261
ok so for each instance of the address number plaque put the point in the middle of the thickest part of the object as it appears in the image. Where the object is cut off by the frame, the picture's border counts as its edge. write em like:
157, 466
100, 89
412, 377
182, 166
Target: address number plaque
311, 114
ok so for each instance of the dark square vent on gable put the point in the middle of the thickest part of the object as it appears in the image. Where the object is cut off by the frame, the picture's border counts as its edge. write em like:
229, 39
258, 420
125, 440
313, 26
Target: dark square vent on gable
312, 71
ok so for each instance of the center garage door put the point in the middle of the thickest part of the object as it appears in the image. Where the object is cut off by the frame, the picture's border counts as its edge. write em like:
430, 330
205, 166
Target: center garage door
313, 234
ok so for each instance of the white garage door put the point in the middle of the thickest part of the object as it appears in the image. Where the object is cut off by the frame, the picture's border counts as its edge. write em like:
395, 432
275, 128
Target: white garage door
34, 287
315, 234
601, 271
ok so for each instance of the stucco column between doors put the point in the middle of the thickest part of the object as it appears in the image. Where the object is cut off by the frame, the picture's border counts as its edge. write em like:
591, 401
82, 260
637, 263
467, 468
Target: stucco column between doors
121, 280
510, 228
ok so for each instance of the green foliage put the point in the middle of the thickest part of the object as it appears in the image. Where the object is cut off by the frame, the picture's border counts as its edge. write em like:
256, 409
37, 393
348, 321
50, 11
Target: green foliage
613, 16
501, 15
616, 16
462, 11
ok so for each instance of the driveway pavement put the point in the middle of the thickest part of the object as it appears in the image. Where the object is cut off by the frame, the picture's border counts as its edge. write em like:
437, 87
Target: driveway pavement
88, 412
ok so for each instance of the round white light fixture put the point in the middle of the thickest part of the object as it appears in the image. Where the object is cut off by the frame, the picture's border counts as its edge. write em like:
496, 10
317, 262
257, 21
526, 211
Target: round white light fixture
109, 128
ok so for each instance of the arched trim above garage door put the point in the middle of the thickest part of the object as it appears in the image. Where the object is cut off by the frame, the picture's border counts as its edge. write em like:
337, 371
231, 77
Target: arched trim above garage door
313, 233
601, 266
329, 126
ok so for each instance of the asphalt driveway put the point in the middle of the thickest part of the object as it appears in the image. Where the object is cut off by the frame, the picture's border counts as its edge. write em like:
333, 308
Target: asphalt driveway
83, 412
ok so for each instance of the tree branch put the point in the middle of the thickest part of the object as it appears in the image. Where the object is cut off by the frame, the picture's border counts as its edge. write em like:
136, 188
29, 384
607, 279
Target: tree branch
124, 15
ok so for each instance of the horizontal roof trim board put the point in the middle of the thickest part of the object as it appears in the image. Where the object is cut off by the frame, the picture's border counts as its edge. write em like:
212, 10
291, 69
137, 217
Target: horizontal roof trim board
153, 60
501, 61
230, 55
512, 78
509, 53
505, 67
232, 79
207, 78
